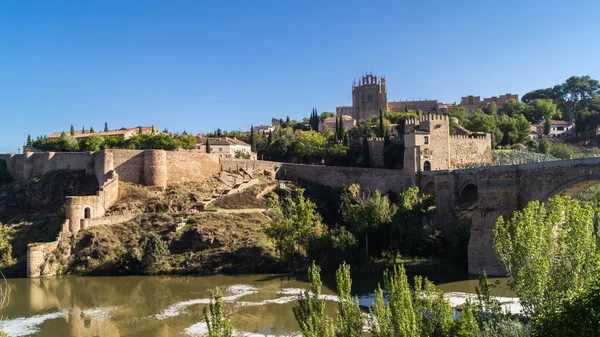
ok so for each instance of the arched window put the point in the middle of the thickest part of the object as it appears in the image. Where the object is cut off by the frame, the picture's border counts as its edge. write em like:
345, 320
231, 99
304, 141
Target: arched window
370, 99
426, 166
87, 213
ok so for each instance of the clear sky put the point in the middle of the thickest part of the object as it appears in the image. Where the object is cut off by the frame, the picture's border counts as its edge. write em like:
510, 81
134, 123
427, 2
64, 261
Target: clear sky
199, 65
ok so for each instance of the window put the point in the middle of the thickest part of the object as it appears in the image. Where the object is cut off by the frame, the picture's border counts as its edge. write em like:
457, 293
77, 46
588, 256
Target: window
560, 128
87, 213
370, 99
426, 166
220, 149
426, 140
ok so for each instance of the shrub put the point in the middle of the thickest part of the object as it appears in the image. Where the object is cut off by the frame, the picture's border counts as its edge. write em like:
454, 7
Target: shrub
518, 146
155, 251
544, 145
562, 151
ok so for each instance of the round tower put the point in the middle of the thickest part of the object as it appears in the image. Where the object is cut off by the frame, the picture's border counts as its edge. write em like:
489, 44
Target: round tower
155, 168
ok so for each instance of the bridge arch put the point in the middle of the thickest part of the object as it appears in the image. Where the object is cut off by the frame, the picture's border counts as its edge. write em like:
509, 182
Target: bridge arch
468, 196
573, 186
429, 188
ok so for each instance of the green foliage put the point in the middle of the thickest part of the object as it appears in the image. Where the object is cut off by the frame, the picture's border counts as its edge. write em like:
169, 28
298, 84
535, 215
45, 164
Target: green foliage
562, 151
92, 130
348, 320
466, 325
393, 155
400, 302
92, 143
310, 308
549, 252
434, 314
512, 107
309, 145
29, 141
579, 316
480, 122
72, 131
546, 93
252, 139
6, 259
242, 155
127, 263
490, 109
538, 110
366, 156
105, 126
208, 150
544, 145
216, 323
155, 250
295, 224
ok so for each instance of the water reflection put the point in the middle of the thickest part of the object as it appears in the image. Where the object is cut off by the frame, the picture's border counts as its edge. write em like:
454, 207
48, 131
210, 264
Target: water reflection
160, 305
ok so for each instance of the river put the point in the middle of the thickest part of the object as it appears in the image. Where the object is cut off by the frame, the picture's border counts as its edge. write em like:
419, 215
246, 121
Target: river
258, 305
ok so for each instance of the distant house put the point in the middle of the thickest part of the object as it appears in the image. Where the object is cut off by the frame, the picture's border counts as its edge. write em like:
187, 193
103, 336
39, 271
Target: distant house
124, 133
558, 129
264, 129
225, 147
347, 121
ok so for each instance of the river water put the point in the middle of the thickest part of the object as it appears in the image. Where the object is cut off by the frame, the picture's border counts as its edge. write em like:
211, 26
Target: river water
258, 305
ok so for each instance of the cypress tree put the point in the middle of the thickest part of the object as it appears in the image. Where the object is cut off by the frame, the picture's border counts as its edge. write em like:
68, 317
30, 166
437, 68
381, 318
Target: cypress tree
252, 139
72, 130
139, 130
366, 154
207, 145
381, 128
346, 141
406, 108
92, 130
82, 129
341, 128
29, 142
105, 126
269, 139
337, 130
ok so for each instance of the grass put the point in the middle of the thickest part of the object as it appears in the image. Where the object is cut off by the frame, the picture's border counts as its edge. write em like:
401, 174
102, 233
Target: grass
244, 199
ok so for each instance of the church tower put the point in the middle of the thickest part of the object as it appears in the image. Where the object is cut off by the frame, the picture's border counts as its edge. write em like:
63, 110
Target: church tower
368, 96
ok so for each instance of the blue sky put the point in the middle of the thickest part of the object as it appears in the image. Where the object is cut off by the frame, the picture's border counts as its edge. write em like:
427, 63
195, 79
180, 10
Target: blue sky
199, 65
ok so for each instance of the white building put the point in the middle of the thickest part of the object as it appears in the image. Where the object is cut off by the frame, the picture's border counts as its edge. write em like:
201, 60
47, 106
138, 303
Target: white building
347, 121
225, 147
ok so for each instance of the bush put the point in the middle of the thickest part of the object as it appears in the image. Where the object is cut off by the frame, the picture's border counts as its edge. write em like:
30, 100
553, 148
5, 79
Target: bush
155, 252
544, 145
127, 263
562, 151
518, 146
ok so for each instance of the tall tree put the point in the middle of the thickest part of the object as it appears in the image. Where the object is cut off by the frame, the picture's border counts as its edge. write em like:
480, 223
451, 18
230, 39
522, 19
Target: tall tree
366, 155
549, 252
92, 130
576, 93
310, 308
82, 129
105, 126
252, 139
349, 322
72, 131
381, 127
546, 93
140, 130
29, 142
208, 145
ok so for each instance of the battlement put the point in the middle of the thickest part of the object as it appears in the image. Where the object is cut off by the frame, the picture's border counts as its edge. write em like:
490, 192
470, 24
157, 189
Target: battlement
414, 122
369, 79
485, 136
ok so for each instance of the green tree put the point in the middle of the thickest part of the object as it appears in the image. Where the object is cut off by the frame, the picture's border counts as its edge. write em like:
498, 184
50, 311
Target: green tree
309, 145
576, 93
252, 139
6, 259
366, 155
562, 151
29, 141
549, 252
310, 308
523, 129
105, 126
576, 317
92, 130
539, 110
547, 93
208, 146
381, 131
544, 145
547, 126
434, 314
365, 212
480, 122
281, 230
72, 132
82, 130
92, 143
155, 251
512, 107
140, 131
400, 302
490, 108
348, 320
216, 324
507, 127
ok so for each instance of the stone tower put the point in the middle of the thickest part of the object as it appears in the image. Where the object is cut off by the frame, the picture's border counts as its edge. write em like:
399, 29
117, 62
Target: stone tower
368, 96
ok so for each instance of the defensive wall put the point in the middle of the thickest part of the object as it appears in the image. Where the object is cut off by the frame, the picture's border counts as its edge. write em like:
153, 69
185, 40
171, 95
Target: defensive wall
332, 176
153, 168
467, 149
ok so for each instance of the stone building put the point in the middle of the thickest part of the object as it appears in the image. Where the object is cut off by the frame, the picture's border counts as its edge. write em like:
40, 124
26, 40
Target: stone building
124, 133
347, 121
428, 145
370, 95
473, 102
224, 147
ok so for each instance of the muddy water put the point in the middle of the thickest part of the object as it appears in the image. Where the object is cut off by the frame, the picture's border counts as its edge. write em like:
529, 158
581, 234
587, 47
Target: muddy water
258, 305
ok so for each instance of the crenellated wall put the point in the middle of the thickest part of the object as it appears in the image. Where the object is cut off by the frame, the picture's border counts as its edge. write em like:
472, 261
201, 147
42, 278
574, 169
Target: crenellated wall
465, 150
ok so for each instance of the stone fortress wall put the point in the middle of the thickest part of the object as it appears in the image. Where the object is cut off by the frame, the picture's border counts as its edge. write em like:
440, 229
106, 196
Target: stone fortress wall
466, 149
153, 168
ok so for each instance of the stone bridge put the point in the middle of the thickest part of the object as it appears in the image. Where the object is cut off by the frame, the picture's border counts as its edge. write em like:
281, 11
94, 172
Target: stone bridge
491, 191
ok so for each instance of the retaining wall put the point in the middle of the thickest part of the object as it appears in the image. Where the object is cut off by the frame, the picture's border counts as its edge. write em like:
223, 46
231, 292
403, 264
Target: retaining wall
36, 256
106, 221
